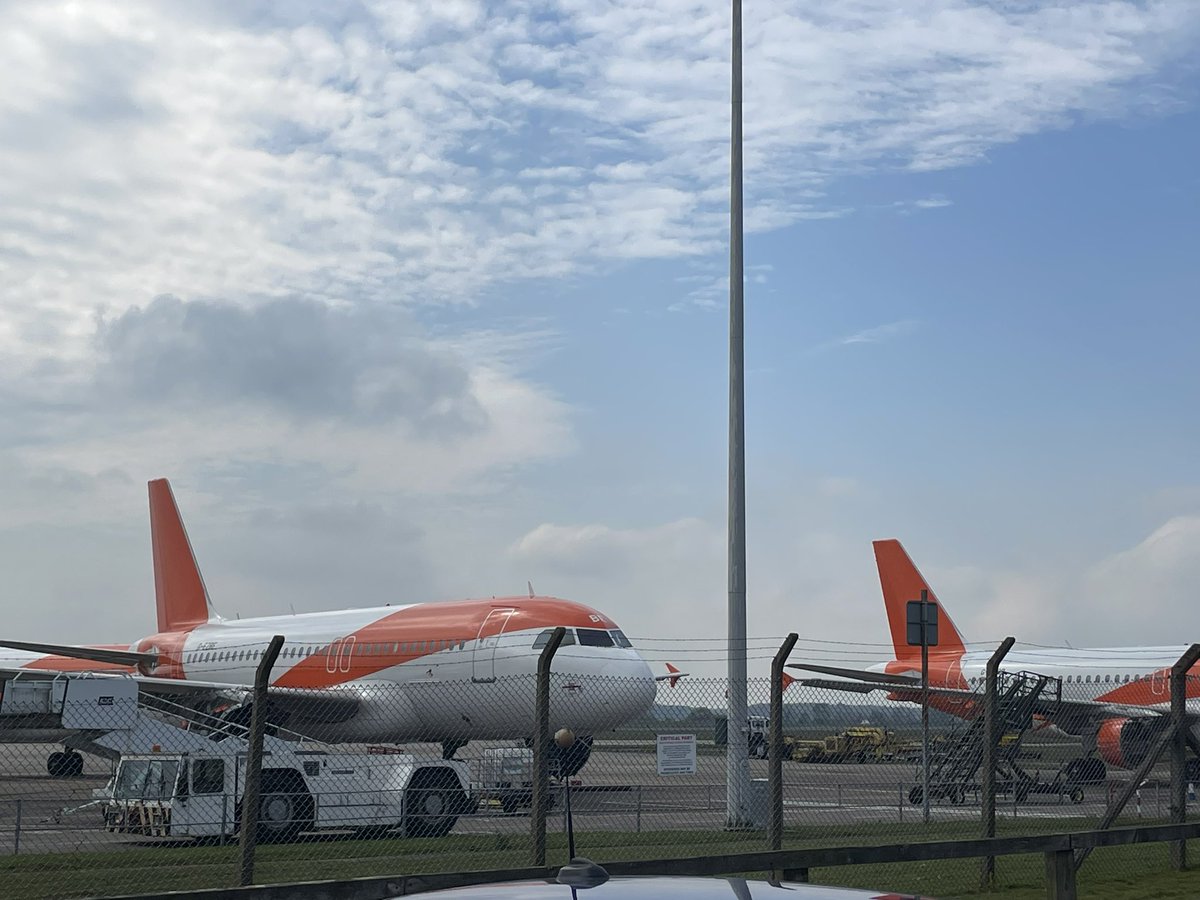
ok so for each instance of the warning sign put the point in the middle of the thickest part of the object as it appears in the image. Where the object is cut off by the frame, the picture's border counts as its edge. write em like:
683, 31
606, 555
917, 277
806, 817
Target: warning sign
676, 754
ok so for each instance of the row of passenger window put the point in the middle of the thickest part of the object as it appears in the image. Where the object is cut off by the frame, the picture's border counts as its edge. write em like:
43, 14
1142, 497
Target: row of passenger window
303, 651
588, 637
1089, 679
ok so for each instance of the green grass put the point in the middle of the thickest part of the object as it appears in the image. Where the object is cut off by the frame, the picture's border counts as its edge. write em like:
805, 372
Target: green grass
1120, 872
1136, 871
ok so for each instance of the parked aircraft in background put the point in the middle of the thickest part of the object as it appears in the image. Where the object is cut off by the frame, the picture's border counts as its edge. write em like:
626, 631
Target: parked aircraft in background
1115, 699
448, 671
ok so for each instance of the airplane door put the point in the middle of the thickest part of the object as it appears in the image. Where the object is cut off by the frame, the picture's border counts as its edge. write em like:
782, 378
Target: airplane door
1160, 683
483, 657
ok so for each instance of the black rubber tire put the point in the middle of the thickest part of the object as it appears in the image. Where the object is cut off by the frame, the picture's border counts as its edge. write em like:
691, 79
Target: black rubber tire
1085, 770
431, 804
74, 764
1077, 795
282, 814
509, 804
916, 796
57, 764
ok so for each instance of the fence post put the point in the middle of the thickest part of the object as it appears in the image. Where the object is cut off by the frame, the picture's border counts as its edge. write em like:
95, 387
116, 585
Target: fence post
1161, 743
1179, 675
258, 725
17, 831
1060, 875
775, 750
541, 746
990, 739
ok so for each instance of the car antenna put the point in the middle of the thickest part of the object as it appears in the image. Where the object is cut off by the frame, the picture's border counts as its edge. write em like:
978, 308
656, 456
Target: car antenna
580, 872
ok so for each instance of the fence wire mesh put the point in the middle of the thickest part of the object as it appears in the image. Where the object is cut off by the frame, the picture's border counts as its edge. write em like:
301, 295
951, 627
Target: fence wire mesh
108, 791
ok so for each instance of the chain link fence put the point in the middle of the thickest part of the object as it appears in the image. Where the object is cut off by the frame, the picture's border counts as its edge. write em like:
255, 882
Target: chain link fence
121, 793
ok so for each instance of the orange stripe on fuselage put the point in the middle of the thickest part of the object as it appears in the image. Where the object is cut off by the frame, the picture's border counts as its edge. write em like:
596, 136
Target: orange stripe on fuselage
436, 622
1152, 689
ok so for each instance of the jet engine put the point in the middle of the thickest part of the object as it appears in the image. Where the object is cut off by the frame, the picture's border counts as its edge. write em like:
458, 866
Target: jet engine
1125, 742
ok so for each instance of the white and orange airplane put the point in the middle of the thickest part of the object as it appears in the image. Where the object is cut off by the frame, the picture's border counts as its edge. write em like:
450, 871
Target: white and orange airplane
449, 672
1116, 699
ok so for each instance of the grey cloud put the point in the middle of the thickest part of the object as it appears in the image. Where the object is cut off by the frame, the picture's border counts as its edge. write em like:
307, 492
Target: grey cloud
299, 357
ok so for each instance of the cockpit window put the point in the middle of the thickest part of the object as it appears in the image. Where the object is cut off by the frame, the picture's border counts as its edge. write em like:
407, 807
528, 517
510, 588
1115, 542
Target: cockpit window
594, 637
544, 638
620, 640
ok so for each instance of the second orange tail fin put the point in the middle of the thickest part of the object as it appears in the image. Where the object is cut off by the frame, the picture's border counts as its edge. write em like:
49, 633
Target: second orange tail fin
179, 592
901, 583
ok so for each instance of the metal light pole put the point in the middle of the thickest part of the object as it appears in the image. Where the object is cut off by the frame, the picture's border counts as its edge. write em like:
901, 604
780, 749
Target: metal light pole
737, 763
924, 710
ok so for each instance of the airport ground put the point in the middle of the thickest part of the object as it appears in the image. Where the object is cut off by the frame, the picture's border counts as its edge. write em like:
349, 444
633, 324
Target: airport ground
623, 810
621, 792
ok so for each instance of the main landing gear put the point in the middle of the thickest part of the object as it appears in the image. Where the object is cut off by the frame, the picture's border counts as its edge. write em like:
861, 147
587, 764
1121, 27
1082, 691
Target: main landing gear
1085, 770
64, 764
565, 762
450, 746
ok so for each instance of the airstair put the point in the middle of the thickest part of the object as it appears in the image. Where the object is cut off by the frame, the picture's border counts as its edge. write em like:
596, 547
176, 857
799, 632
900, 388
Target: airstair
110, 717
956, 762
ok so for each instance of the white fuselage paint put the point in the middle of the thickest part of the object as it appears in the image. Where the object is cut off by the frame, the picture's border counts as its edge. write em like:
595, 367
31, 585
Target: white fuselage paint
1087, 674
466, 688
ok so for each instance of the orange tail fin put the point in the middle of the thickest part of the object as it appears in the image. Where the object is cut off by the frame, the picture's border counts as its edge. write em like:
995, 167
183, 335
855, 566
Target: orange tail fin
179, 591
676, 673
901, 583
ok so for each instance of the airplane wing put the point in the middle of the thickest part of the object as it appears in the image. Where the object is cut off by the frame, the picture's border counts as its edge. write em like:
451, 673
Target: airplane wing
90, 654
313, 705
908, 687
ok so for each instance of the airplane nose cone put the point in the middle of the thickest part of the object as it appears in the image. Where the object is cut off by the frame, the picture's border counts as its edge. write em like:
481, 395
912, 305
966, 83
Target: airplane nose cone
633, 686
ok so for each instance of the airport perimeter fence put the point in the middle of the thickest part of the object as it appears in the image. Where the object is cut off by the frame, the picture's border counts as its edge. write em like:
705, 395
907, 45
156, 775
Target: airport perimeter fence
147, 794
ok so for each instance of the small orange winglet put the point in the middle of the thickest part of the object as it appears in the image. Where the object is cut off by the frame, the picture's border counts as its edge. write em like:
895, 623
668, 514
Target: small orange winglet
787, 680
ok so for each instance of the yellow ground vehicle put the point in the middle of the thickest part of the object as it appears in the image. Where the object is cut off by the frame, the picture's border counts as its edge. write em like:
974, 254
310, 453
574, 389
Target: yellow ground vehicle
858, 743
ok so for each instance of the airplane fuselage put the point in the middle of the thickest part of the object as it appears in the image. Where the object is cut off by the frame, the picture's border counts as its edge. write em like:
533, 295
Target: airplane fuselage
1133, 675
434, 671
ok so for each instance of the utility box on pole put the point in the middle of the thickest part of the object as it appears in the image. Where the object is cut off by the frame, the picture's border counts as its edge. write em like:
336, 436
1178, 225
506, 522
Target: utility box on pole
922, 622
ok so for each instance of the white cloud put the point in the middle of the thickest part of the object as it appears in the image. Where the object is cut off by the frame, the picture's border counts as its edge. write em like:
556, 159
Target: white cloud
666, 584
1149, 590
210, 152
386, 155
1144, 595
876, 335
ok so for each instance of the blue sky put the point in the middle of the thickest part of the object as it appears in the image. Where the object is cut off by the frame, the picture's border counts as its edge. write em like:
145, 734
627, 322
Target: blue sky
421, 307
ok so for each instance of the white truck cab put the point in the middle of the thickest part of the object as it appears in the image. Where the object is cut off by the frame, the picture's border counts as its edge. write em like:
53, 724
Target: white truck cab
198, 793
